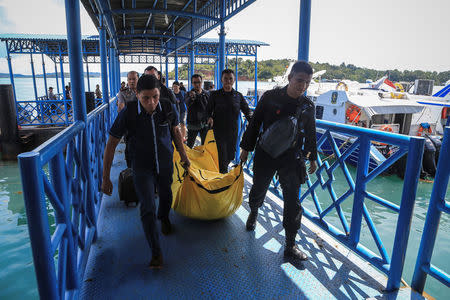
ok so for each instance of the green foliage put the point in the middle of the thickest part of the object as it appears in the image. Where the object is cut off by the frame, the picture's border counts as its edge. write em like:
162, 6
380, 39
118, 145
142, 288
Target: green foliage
267, 69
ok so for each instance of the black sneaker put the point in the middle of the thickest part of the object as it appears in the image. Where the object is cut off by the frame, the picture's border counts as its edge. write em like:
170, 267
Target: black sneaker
295, 253
156, 262
251, 221
166, 226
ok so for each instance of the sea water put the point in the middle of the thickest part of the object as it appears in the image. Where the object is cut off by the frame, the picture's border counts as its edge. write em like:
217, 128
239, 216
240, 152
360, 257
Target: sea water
18, 280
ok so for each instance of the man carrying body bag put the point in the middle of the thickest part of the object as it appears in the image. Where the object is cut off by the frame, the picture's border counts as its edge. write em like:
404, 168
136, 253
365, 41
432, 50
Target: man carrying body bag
280, 107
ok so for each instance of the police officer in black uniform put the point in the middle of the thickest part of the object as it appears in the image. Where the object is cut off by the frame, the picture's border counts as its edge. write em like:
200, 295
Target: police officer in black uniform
224, 108
274, 105
196, 103
151, 124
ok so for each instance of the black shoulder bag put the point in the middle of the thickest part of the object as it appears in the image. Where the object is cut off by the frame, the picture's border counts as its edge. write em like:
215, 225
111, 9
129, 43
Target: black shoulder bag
281, 135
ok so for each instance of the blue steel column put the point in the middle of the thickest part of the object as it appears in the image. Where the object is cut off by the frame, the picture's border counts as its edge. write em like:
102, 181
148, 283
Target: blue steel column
87, 75
79, 102
34, 76
221, 49
111, 72
410, 182
191, 65
256, 76
104, 66
304, 30
45, 75
176, 65
61, 67
56, 78
437, 204
119, 78
167, 70
236, 71
11, 74
38, 227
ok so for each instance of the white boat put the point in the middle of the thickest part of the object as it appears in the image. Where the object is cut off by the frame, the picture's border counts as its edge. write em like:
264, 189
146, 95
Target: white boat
372, 110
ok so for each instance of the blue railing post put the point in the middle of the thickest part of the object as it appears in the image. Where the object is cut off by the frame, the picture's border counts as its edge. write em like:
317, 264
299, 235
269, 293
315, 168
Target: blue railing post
360, 189
104, 67
119, 79
79, 99
45, 75
38, 227
304, 30
111, 71
11, 74
61, 67
412, 174
430, 230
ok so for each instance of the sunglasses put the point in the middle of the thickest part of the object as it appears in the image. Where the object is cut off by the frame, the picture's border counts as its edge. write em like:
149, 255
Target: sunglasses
195, 82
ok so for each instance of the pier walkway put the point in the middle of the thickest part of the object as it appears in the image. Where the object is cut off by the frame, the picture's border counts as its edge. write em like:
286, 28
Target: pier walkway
221, 260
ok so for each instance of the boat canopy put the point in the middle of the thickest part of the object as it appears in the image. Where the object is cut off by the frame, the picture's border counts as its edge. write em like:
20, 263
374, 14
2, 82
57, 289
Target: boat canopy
373, 105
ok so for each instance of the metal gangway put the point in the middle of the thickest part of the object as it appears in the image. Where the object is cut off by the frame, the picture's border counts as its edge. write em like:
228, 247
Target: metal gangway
96, 250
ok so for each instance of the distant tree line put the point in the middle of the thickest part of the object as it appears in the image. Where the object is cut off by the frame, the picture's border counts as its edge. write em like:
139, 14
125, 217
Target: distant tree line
267, 69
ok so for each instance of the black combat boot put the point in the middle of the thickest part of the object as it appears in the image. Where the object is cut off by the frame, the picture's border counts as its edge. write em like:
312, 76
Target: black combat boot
291, 250
251, 221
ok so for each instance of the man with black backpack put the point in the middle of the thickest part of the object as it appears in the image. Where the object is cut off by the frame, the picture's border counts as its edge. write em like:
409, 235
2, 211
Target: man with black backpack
152, 125
288, 137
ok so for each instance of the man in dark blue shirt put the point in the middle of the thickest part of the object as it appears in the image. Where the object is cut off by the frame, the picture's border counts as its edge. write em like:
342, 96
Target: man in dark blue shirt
152, 125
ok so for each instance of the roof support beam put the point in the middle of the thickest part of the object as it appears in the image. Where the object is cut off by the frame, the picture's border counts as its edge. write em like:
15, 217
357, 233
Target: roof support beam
105, 9
164, 12
151, 35
149, 17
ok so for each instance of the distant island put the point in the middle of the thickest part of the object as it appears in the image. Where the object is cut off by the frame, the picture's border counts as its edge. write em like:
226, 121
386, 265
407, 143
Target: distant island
268, 69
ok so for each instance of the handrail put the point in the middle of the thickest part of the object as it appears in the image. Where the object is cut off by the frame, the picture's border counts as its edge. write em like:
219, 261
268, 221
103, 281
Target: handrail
358, 147
64, 187
437, 206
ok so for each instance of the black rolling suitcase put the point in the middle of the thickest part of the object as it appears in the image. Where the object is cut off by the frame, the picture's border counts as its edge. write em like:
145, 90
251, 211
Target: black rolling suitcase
127, 192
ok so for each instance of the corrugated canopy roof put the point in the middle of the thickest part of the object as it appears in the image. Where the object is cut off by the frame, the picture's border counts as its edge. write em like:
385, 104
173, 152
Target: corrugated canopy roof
159, 26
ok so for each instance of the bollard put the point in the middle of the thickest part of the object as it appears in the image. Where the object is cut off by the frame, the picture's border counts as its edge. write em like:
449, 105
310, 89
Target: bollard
9, 134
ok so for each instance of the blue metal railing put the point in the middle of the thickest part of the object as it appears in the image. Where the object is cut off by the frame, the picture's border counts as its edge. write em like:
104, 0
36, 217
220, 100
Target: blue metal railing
437, 206
349, 235
64, 190
46, 112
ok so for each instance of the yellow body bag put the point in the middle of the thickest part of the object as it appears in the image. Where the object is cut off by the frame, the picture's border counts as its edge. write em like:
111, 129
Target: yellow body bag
202, 192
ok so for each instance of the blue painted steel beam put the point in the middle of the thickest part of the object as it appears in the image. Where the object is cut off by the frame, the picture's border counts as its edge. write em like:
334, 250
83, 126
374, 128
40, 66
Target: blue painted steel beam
167, 71
38, 226
191, 67
74, 46
61, 67
45, 75
34, 76
236, 72
256, 78
221, 50
185, 14
104, 66
56, 78
105, 10
432, 220
150, 35
11, 74
304, 30
87, 75
176, 65
411, 180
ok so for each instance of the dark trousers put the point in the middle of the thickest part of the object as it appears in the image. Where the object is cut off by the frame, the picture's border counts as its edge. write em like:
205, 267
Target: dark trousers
144, 182
192, 135
226, 150
264, 169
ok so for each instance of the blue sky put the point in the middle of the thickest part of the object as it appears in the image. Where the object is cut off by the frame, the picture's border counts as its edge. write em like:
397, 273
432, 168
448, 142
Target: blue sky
382, 34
